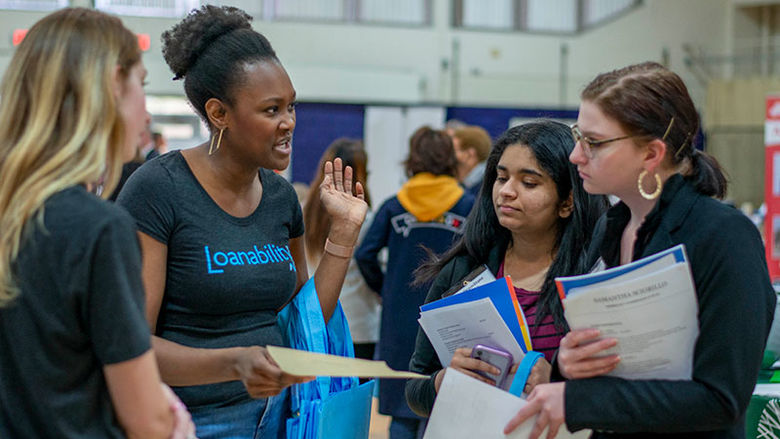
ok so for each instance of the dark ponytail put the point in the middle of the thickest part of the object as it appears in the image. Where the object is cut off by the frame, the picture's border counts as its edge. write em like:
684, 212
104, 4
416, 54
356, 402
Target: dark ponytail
707, 176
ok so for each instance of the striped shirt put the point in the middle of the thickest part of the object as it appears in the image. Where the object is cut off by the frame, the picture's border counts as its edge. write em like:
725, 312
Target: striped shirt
545, 337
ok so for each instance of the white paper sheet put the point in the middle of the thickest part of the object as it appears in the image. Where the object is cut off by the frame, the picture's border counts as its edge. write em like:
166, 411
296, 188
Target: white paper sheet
659, 264
466, 325
485, 277
653, 317
469, 409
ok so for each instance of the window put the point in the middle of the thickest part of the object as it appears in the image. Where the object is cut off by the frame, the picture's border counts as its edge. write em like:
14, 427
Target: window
397, 12
594, 12
326, 10
148, 8
33, 5
411, 12
491, 14
549, 16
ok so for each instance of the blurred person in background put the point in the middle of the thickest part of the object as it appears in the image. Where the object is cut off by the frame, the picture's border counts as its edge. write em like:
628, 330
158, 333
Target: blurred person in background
361, 304
159, 145
452, 125
137, 160
428, 212
472, 146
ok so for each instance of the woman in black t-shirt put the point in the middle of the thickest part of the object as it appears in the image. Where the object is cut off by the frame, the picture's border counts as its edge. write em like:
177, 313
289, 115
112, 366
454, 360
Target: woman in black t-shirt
222, 234
76, 359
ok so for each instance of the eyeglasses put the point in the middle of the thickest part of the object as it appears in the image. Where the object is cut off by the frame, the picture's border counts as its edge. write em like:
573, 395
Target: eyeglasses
589, 144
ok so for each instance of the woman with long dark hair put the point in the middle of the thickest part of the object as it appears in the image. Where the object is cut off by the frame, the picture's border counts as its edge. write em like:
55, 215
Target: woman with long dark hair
360, 303
532, 221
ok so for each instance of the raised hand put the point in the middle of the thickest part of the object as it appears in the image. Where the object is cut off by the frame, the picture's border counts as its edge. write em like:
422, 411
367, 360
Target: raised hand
337, 196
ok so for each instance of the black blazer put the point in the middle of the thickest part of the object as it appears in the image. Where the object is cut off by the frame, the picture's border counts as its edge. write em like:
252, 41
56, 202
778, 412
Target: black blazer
736, 307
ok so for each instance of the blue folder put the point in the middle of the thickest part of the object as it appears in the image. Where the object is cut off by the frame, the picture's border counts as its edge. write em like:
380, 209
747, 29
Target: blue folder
319, 406
566, 284
501, 293
347, 414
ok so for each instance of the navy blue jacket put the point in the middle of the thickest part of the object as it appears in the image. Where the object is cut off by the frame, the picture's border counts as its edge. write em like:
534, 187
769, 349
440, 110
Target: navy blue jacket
404, 237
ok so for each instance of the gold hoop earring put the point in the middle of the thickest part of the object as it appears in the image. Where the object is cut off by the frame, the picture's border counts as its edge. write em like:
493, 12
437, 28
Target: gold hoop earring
658, 186
219, 142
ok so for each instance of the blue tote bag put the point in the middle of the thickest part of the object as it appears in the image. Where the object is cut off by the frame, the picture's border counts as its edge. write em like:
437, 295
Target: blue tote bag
328, 407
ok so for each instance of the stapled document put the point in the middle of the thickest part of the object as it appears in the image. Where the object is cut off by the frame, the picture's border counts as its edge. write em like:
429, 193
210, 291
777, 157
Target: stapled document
649, 306
466, 325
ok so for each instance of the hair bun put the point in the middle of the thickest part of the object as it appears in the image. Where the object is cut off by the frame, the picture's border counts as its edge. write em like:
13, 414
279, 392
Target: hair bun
188, 39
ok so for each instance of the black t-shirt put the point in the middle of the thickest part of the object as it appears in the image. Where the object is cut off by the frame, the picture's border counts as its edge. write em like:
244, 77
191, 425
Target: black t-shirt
127, 170
80, 307
226, 276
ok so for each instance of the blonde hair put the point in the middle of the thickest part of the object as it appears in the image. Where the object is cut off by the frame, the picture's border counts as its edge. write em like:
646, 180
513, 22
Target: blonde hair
59, 121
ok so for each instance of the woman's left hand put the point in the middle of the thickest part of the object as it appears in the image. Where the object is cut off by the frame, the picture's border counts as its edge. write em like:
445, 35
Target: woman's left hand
546, 401
540, 374
344, 208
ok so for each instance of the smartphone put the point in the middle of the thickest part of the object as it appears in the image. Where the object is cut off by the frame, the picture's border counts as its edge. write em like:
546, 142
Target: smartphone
499, 358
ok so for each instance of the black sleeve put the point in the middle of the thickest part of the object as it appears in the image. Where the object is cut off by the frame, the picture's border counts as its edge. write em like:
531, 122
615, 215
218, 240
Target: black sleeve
421, 392
115, 303
147, 195
736, 306
366, 255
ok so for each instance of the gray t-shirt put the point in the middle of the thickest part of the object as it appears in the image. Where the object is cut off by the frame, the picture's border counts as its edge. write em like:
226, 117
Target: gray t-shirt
80, 308
226, 276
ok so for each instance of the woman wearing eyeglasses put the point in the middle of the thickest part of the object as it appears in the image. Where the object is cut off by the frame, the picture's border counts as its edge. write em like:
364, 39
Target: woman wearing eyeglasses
634, 135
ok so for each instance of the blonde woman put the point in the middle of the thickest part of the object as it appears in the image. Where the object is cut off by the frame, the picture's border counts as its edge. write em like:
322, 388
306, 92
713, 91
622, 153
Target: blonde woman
76, 356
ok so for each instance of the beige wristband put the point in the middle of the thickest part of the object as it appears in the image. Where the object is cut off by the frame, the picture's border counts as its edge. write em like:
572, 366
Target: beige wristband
341, 251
